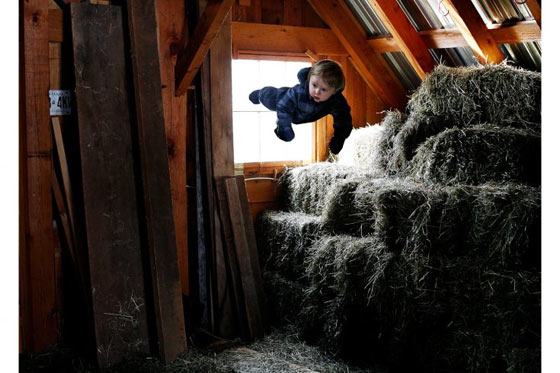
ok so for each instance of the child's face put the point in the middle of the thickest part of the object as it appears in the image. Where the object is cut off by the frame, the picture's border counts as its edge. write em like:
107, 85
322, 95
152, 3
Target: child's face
319, 89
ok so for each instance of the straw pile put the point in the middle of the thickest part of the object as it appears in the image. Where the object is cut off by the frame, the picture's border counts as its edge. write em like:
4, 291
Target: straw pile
425, 251
279, 352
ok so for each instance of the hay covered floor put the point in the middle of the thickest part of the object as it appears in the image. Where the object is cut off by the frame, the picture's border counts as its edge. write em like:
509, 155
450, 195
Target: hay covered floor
420, 248
281, 351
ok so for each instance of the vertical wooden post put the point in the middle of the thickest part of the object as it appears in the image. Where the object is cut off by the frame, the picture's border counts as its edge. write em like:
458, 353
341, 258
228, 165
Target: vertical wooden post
37, 274
171, 20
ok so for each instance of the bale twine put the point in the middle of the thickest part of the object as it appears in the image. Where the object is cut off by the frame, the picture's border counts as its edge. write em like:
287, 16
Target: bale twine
462, 96
477, 155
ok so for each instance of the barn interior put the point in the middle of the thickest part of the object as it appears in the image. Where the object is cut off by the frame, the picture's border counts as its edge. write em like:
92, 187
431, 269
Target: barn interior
164, 228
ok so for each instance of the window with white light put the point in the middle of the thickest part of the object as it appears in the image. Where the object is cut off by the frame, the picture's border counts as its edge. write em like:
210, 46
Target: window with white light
253, 125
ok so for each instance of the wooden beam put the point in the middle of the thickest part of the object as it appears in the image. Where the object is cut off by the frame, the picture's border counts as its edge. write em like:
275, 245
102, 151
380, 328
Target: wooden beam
158, 206
474, 30
535, 9
171, 20
254, 39
37, 251
371, 67
191, 57
517, 33
407, 38
285, 39
221, 102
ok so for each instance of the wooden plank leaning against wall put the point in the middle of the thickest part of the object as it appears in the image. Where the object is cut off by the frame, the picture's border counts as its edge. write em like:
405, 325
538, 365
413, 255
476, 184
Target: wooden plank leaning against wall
37, 252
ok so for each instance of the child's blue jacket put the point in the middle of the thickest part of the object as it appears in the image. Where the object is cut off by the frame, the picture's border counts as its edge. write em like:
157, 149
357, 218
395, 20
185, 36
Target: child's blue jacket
295, 105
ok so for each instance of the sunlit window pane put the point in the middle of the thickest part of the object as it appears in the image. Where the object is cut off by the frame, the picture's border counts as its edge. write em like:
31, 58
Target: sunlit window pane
253, 125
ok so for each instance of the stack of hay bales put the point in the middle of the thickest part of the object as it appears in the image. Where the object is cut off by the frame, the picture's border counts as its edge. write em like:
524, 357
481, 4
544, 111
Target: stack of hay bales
421, 248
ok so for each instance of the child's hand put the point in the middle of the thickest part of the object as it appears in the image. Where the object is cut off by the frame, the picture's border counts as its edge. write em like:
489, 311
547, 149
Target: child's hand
284, 133
336, 145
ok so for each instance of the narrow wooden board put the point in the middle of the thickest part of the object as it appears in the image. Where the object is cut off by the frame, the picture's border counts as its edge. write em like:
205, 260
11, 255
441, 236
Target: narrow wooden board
37, 272
245, 261
109, 189
230, 258
158, 206
252, 246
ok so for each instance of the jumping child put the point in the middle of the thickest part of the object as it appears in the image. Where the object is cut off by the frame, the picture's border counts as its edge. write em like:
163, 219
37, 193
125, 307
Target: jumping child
318, 93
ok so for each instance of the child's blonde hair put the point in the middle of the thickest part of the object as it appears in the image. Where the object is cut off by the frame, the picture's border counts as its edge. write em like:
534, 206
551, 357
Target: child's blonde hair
330, 71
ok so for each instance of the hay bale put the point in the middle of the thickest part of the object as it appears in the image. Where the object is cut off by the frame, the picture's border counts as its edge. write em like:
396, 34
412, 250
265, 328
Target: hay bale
462, 96
395, 210
505, 223
283, 238
477, 155
417, 128
472, 314
284, 298
305, 187
346, 276
362, 149
390, 125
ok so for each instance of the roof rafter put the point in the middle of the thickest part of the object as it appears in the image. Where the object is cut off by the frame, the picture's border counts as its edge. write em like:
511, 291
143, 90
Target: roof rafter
190, 58
474, 30
407, 38
279, 40
371, 67
535, 9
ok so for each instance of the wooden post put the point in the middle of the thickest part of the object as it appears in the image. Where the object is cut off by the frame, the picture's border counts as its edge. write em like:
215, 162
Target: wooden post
171, 20
37, 273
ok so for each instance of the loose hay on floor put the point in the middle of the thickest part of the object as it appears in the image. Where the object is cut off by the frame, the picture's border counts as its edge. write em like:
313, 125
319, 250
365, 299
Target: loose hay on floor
279, 352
